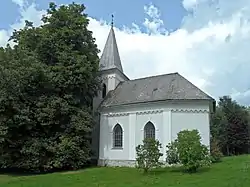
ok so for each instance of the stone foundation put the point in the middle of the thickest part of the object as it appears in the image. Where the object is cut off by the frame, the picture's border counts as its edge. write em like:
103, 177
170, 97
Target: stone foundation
126, 163
116, 163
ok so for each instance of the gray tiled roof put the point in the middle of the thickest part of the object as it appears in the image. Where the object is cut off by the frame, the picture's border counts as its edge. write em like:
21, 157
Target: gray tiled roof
110, 56
156, 88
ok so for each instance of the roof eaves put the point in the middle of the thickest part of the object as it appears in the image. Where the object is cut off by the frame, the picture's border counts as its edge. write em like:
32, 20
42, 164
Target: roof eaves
152, 101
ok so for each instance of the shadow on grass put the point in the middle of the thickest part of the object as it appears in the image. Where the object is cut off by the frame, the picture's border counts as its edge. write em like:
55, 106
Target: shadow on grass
17, 172
182, 170
158, 171
161, 171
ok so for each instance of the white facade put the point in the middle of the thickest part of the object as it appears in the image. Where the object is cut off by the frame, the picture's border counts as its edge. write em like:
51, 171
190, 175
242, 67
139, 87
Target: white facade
168, 118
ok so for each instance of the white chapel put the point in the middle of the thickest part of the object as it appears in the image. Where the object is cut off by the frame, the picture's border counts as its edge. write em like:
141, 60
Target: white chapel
130, 110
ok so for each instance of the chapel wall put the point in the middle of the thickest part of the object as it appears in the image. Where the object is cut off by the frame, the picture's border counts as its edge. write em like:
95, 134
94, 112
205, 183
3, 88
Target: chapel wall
168, 119
107, 151
142, 118
133, 120
191, 119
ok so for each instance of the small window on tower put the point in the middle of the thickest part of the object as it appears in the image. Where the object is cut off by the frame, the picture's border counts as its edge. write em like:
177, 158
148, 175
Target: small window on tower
104, 90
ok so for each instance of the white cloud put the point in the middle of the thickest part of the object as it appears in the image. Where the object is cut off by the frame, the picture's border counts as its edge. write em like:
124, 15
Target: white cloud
189, 4
154, 25
210, 48
27, 12
21, 3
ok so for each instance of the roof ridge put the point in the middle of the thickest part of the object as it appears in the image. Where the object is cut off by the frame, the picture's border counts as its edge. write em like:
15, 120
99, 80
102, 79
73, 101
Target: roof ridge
154, 76
196, 86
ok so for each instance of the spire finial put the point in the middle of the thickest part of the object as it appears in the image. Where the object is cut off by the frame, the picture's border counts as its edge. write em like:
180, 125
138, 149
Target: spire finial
112, 20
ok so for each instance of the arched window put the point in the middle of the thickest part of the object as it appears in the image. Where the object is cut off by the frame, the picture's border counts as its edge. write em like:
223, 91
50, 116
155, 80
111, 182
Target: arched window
117, 136
104, 90
149, 130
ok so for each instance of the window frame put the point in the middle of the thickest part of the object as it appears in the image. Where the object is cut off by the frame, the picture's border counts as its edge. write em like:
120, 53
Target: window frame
117, 137
149, 130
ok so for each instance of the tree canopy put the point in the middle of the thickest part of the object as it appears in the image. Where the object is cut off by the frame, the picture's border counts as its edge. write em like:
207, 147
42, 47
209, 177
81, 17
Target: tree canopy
47, 83
230, 127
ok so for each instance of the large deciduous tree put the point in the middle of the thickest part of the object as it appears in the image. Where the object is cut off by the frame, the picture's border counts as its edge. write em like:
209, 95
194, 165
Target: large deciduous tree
47, 82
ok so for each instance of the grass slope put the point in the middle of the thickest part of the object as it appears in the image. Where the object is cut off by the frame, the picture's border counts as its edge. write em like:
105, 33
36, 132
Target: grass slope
233, 171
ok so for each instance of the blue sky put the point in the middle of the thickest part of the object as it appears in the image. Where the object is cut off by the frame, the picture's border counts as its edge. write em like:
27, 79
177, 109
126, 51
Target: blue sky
206, 41
124, 13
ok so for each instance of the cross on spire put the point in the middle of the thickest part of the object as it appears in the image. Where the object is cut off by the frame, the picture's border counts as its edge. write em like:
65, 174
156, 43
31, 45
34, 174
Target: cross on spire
112, 20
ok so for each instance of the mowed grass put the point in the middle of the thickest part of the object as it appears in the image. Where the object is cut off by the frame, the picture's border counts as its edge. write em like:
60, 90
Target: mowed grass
233, 171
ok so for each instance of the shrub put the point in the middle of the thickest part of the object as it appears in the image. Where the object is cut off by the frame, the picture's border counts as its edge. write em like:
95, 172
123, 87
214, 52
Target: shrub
215, 151
148, 154
188, 151
172, 153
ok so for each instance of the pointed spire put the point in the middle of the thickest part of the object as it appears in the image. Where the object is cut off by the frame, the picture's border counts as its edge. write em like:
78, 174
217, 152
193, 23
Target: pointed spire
110, 56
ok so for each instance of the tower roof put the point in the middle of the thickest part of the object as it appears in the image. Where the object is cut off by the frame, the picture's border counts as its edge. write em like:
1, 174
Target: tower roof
110, 56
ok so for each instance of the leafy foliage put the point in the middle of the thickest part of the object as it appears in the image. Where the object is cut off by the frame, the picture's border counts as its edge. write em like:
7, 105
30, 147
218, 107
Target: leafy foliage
230, 127
188, 151
215, 152
47, 83
172, 156
148, 154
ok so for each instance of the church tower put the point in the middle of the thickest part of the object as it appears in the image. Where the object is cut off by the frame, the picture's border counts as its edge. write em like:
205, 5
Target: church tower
111, 71
110, 67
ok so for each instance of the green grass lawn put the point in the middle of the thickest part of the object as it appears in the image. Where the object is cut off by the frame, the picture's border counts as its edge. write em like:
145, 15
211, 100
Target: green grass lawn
233, 171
